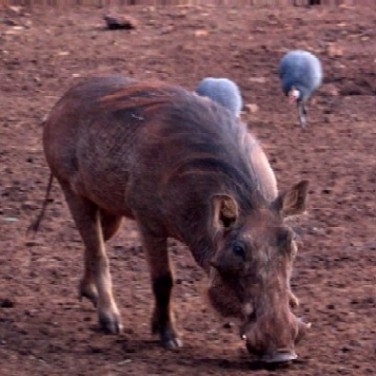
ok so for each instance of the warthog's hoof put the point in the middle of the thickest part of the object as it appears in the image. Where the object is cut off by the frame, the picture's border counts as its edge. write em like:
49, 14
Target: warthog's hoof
172, 343
168, 335
110, 323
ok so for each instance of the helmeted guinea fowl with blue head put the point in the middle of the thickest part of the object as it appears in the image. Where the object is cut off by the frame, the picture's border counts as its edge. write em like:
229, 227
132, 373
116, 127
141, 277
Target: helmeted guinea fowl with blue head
223, 91
301, 74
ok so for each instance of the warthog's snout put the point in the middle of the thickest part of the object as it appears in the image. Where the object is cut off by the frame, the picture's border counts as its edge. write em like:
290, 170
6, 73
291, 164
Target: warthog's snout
273, 344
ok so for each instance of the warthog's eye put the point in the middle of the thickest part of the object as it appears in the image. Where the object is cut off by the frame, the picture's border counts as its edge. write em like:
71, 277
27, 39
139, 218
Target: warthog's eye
238, 250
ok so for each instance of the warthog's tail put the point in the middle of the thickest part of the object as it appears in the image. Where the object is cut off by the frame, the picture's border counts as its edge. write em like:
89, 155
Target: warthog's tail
34, 227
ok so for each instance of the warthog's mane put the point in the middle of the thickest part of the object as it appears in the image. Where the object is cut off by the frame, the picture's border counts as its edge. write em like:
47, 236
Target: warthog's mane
207, 141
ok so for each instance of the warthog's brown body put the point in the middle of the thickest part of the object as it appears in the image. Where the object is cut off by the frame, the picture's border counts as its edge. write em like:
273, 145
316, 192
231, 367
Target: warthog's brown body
182, 167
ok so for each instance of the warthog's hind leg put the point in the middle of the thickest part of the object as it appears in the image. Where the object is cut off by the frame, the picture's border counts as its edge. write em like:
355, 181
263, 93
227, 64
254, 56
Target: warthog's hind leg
96, 283
110, 224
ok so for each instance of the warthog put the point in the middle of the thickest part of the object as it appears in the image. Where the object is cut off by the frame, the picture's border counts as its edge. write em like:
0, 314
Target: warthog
182, 167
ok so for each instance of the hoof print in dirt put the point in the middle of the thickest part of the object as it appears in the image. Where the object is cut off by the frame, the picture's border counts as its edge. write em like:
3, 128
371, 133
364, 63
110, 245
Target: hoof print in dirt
120, 22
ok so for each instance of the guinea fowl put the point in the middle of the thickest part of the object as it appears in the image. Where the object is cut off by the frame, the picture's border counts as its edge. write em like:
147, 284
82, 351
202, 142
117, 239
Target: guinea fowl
223, 91
301, 74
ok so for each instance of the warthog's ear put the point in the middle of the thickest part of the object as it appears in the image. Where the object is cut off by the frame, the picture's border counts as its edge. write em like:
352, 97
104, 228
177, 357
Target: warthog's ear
292, 201
225, 211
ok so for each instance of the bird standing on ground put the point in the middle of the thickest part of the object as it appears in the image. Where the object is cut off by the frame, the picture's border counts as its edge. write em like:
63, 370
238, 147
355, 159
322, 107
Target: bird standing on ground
223, 91
301, 74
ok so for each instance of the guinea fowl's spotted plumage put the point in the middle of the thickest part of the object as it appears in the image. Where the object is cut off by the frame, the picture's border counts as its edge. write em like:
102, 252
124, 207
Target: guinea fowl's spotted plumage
301, 74
223, 91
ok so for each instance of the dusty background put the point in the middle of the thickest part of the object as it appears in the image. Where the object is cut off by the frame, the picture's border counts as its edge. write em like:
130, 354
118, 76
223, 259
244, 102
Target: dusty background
45, 330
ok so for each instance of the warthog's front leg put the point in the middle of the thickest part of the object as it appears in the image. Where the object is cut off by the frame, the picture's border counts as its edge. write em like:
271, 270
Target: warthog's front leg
162, 282
96, 283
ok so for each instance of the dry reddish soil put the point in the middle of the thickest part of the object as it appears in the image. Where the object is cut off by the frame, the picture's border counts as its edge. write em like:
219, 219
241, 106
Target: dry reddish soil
46, 330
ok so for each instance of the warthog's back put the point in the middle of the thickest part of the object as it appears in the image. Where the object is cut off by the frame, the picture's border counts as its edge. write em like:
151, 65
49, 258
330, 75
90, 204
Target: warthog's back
153, 149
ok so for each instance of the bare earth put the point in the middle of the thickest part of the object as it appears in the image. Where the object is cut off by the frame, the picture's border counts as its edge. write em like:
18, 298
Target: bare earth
45, 330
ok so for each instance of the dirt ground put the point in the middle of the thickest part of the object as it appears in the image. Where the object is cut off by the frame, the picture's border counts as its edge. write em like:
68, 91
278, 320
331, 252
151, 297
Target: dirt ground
46, 330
